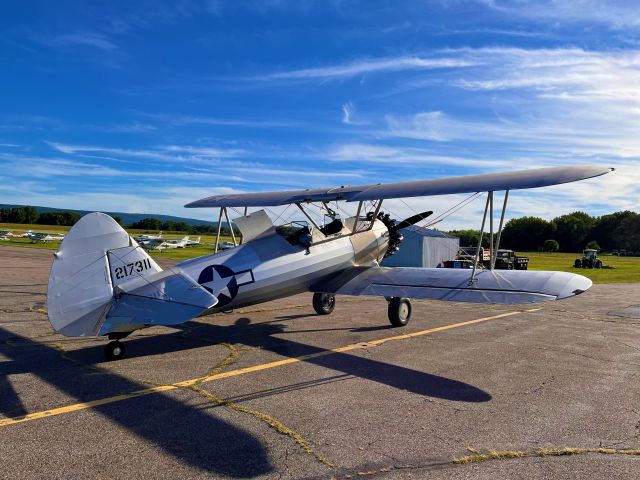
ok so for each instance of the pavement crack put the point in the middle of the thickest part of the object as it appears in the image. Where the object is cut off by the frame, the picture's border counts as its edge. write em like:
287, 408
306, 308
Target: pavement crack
231, 358
493, 454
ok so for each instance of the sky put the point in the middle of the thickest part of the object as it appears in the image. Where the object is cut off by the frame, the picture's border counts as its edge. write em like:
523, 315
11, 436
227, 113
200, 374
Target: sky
144, 106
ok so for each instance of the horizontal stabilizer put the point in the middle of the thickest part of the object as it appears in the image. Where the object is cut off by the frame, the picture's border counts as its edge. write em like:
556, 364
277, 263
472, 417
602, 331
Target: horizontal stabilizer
165, 298
101, 281
489, 286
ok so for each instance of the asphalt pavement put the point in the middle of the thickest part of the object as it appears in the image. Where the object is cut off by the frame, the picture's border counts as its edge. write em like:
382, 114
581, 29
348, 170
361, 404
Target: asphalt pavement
276, 391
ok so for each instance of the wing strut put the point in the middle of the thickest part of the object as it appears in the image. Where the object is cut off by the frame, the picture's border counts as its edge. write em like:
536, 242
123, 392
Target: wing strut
493, 248
504, 208
472, 280
215, 249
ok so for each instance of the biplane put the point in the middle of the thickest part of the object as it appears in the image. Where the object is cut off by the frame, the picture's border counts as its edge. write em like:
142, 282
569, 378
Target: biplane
102, 283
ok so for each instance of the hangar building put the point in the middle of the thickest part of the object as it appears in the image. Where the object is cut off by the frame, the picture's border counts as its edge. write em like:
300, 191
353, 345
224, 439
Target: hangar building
423, 247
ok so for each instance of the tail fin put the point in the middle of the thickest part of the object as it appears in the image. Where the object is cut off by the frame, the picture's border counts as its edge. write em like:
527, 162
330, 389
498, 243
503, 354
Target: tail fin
102, 281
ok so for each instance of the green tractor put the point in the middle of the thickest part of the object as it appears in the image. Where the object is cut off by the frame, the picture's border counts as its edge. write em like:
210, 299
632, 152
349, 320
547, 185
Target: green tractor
589, 259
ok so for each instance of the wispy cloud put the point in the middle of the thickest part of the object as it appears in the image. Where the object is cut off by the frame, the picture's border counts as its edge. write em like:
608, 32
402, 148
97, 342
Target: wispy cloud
82, 39
367, 66
347, 110
615, 13
171, 153
176, 119
559, 101
394, 155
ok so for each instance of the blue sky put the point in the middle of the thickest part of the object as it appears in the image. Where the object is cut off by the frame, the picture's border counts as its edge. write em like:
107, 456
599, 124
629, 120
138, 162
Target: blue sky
145, 106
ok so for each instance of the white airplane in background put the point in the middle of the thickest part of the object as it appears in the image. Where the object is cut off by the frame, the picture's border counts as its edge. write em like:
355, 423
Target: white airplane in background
163, 244
193, 243
103, 284
44, 237
145, 237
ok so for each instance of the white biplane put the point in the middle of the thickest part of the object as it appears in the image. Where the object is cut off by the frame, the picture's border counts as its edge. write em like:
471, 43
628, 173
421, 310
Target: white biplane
102, 283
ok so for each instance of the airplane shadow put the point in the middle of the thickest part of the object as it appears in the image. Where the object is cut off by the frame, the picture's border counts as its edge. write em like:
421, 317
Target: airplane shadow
185, 432
264, 336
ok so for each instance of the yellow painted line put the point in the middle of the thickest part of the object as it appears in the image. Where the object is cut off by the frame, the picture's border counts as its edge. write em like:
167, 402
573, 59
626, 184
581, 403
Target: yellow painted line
243, 371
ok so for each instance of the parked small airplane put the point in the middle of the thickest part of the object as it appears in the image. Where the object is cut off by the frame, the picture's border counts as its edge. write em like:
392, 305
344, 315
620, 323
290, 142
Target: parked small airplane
102, 283
9, 234
226, 245
44, 237
145, 238
163, 244
193, 243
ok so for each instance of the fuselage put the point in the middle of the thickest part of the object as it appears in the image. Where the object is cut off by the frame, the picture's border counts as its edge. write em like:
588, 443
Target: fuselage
271, 267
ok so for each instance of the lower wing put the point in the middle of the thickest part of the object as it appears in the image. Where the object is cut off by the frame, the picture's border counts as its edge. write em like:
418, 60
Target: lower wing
488, 286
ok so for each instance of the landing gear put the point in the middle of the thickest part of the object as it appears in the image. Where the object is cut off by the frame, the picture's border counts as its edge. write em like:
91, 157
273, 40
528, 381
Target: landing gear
324, 303
114, 350
399, 311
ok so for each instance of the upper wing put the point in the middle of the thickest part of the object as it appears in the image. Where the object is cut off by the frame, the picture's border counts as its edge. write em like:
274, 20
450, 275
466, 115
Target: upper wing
452, 284
520, 179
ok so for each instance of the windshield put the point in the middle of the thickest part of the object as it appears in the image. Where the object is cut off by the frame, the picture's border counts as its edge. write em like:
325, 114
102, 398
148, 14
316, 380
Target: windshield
292, 231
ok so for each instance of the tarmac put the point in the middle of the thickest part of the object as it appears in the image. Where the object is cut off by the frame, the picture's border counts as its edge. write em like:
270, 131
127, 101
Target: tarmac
275, 391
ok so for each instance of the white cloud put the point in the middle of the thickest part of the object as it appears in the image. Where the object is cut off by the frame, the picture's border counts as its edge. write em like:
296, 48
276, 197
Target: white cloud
615, 13
347, 111
387, 155
86, 39
367, 66
563, 102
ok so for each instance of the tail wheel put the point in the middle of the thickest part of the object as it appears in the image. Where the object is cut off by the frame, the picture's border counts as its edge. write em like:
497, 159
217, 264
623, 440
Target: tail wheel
324, 303
399, 311
114, 351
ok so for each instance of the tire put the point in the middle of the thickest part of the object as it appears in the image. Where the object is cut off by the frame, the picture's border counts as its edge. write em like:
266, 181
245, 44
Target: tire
114, 351
399, 311
598, 264
577, 263
509, 266
324, 303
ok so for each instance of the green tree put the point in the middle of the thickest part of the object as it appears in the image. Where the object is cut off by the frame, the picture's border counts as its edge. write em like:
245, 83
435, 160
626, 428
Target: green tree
593, 245
58, 218
148, 224
605, 228
469, 238
526, 233
550, 246
30, 214
628, 233
572, 230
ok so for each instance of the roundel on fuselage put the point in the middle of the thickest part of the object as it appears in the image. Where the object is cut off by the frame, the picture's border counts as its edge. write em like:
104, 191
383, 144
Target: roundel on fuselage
220, 281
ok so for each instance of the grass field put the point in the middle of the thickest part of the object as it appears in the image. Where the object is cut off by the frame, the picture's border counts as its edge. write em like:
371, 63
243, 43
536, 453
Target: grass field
178, 253
626, 269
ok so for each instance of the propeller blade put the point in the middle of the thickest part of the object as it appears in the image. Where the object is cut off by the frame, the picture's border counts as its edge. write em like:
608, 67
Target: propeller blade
411, 220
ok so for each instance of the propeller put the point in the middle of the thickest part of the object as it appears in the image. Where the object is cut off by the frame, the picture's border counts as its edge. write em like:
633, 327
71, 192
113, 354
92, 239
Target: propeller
394, 227
412, 220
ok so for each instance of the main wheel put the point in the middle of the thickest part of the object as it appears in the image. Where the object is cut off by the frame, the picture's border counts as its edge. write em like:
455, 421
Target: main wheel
324, 303
399, 311
114, 351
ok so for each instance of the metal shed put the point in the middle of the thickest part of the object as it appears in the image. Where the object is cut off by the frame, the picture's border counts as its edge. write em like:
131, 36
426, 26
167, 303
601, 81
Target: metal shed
423, 247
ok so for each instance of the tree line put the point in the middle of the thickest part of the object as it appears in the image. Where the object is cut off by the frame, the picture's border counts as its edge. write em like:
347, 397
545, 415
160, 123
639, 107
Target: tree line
30, 215
567, 233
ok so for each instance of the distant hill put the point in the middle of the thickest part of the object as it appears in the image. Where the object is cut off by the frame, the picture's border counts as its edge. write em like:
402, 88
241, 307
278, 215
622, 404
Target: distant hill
127, 218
